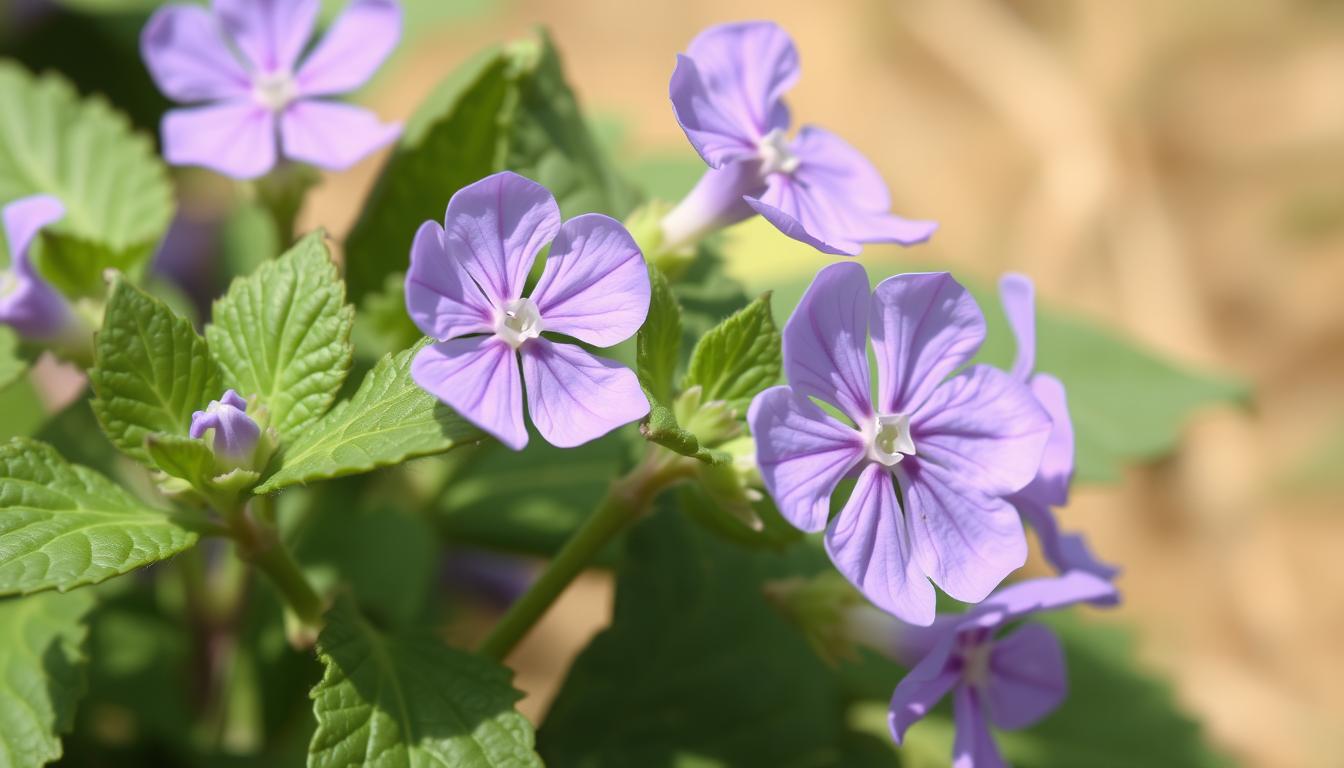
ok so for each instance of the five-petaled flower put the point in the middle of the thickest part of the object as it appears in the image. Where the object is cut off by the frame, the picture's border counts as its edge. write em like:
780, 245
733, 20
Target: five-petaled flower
235, 433
28, 303
1011, 682
241, 58
465, 290
954, 446
727, 92
1050, 487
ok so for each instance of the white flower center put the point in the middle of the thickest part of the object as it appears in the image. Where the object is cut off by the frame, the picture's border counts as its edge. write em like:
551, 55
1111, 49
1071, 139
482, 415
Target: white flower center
274, 90
889, 439
775, 154
519, 321
975, 660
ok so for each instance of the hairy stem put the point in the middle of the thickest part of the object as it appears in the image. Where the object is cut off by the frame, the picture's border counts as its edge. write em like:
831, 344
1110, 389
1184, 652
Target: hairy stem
259, 543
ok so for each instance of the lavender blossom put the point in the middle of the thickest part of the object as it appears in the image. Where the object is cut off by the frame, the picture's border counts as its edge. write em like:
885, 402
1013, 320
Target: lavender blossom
1050, 487
727, 92
464, 289
241, 59
28, 303
235, 433
954, 446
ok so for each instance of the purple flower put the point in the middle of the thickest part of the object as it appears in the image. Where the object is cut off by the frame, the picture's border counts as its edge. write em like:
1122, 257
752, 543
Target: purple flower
465, 289
953, 446
241, 59
1010, 682
27, 302
236, 433
727, 92
1050, 487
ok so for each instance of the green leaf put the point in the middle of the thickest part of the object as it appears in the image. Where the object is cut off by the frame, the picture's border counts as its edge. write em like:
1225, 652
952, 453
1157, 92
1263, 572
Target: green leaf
388, 420
182, 457
739, 357
507, 108
63, 526
41, 674
151, 370
394, 701
115, 189
283, 335
12, 366
658, 344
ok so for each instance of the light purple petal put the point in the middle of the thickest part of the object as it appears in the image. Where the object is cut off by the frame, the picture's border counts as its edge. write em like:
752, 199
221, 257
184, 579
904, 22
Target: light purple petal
802, 454
440, 297
595, 286
726, 91
924, 326
30, 305
965, 541
1018, 295
478, 377
235, 434
1027, 677
1051, 484
715, 202
332, 135
824, 353
270, 33
1065, 551
920, 691
984, 427
235, 138
1035, 595
974, 745
574, 396
869, 544
496, 226
187, 55
23, 219
806, 215
356, 44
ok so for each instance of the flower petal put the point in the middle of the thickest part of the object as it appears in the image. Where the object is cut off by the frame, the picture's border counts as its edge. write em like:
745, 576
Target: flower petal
824, 353
920, 691
1065, 551
574, 396
331, 135
595, 286
354, 46
715, 202
270, 33
869, 544
1035, 595
1051, 484
235, 138
1027, 677
23, 219
965, 541
478, 377
802, 454
726, 89
187, 55
1018, 295
924, 326
440, 297
984, 427
974, 745
496, 226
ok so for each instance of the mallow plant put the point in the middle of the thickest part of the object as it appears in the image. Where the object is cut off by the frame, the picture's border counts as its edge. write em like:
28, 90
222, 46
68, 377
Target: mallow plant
309, 519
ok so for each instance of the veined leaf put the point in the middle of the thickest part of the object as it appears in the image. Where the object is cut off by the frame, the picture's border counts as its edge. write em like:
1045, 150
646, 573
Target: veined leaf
739, 357
658, 344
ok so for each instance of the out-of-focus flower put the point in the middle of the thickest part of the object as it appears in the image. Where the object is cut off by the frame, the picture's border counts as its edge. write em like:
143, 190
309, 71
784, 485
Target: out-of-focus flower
954, 446
1050, 487
727, 92
28, 303
235, 433
1010, 681
241, 60
465, 289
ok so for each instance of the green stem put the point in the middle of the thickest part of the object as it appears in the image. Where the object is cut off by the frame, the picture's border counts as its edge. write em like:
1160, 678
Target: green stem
628, 498
259, 543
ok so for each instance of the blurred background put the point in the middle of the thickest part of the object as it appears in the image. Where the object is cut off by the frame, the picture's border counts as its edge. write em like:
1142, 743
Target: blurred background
1171, 170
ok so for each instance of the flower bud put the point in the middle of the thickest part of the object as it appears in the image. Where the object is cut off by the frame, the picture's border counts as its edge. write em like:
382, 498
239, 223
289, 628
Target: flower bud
235, 433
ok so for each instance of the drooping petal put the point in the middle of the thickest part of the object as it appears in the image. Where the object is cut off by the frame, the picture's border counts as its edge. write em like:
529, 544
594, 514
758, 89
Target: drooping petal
824, 353
920, 690
965, 541
1065, 551
440, 297
496, 226
23, 219
187, 55
809, 218
270, 33
332, 135
924, 326
595, 286
1035, 595
984, 427
869, 544
478, 377
974, 745
1018, 295
235, 138
726, 90
574, 396
1027, 678
356, 44
1051, 484
802, 454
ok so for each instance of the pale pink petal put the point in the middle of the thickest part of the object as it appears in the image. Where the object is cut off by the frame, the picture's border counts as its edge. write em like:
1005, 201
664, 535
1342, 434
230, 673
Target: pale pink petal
595, 286
575, 397
235, 138
478, 377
